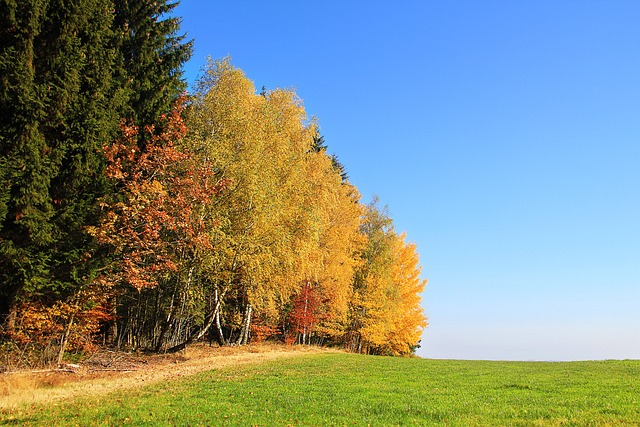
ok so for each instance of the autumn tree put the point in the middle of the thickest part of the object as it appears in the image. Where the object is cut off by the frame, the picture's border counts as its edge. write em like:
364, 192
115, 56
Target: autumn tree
303, 316
157, 225
409, 320
284, 198
385, 313
334, 212
296, 253
257, 143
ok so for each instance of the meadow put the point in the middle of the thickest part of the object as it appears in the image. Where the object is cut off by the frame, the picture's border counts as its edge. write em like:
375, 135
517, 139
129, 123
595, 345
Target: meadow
355, 390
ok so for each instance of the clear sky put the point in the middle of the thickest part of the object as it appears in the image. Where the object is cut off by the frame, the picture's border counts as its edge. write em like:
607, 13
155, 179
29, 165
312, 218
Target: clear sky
504, 136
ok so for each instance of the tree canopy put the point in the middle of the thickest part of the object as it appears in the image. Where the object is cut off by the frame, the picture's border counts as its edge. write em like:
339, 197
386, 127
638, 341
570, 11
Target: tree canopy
136, 217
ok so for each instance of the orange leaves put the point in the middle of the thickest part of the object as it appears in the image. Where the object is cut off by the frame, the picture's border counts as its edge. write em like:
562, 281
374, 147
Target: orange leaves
158, 216
261, 332
39, 327
410, 319
304, 314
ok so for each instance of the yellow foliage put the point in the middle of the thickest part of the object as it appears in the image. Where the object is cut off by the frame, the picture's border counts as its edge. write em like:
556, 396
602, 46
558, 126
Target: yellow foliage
387, 317
288, 218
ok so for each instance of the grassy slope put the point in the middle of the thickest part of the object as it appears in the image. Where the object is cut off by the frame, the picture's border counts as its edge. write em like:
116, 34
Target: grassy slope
345, 389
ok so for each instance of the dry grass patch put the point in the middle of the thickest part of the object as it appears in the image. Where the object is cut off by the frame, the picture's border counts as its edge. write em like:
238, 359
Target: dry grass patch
109, 371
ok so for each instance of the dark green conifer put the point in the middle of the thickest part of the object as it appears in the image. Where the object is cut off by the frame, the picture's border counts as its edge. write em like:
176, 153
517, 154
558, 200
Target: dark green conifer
318, 145
69, 71
58, 106
152, 54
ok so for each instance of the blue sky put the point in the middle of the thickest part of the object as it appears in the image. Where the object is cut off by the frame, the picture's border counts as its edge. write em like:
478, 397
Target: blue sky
504, 136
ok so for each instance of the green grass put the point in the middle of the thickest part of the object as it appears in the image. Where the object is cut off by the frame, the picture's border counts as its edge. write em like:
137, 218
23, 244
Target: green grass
352, 390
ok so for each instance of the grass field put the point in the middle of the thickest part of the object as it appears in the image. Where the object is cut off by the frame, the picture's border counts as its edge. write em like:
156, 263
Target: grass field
352, 390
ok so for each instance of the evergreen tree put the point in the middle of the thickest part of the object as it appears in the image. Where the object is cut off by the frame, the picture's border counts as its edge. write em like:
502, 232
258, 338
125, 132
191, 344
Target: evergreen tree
339, 167
152, 53
318, 145
57, 106
69, 71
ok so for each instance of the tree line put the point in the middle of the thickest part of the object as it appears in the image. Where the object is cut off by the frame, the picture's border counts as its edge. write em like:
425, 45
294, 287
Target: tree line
136, 216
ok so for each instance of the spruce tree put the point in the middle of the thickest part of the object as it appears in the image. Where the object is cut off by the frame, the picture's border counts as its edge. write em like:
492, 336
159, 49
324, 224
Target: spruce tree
69, 71
58, 106
318, 145
23, 202
152, 54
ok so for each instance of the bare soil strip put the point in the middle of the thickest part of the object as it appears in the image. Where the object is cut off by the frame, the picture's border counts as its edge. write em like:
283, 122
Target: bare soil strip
109, 372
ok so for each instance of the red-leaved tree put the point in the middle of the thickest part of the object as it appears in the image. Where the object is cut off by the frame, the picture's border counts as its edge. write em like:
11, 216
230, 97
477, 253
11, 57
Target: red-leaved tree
304, 314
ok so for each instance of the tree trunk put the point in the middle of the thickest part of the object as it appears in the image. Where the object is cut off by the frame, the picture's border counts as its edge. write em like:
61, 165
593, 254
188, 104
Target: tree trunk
167, 324
246, 323
304, 328
221, 340
8, 311
10, 322
112, 331
65, 338
213, 318
198, 335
